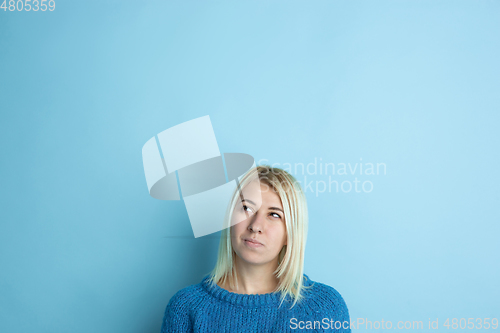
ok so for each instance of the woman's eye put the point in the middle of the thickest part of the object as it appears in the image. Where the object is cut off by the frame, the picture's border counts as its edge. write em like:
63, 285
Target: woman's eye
247, 209
275, 215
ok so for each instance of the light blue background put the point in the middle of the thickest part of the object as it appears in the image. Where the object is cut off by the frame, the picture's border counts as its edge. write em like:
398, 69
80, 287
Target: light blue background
412, 84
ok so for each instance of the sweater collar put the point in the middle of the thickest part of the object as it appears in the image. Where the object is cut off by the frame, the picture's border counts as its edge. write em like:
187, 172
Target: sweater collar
246, 300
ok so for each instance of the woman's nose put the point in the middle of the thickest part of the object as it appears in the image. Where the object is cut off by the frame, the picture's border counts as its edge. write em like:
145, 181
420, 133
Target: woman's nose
256, 223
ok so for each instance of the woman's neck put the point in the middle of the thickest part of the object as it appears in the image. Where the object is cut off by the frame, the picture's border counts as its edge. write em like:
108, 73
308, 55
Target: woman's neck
255, 279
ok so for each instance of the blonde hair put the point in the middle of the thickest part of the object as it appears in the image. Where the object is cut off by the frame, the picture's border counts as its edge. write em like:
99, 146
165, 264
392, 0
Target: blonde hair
291, 257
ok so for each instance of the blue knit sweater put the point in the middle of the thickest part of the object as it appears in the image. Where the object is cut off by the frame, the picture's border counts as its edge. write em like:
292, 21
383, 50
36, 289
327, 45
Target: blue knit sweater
209, 308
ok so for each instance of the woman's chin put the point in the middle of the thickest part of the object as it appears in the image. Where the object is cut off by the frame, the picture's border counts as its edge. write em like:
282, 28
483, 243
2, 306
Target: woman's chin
253, 260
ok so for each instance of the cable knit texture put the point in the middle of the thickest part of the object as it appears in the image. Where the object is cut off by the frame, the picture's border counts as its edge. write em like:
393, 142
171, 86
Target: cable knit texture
209, 308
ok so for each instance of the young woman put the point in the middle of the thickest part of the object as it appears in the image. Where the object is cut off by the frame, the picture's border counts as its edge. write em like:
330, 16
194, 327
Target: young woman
258, 284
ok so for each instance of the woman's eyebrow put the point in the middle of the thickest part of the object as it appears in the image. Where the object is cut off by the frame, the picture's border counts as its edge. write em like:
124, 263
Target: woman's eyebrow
250, 201
276, 208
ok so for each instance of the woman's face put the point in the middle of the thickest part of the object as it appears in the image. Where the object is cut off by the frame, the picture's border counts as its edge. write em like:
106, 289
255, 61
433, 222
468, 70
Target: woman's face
261, 235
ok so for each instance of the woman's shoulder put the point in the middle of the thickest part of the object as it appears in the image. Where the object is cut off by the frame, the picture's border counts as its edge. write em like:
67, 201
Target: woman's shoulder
324, 297
178, 311
184, 297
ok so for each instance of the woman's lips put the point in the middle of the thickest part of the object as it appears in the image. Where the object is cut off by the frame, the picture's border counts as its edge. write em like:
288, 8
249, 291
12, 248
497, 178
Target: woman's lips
252, 243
